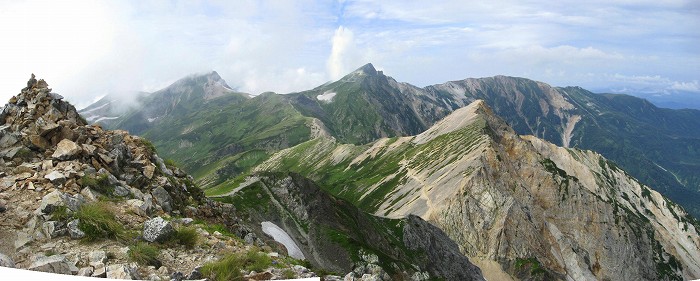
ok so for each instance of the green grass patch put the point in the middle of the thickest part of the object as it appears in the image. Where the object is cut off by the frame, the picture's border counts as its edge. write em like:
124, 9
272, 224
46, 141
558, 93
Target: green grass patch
149, 146
99, 222
186, 236
533, 264
144, 254
60, 214
230, 266
99, 183
288, 274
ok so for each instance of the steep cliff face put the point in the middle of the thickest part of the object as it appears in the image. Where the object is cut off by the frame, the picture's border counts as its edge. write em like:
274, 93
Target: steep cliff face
337, 236
537, 209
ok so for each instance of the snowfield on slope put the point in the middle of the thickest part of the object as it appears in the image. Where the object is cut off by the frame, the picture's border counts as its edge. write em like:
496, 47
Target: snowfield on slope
281, 236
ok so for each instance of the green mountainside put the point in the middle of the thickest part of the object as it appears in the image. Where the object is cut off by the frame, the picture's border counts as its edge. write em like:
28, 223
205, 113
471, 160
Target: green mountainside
219, 139
567, 213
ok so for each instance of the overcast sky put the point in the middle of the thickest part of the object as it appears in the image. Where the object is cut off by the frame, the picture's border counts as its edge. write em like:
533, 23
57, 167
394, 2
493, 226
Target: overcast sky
85, 49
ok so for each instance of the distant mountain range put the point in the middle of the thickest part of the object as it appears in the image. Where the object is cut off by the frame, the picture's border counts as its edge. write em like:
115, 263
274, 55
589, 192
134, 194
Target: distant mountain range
513, 171
218, 134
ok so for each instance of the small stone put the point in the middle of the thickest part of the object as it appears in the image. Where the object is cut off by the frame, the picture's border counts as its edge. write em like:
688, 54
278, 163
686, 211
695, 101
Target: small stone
157, 229
162, 198
100, 271
140, 207
186, 221
56, 177
195, 274
3, 207
89, 194
163, 270
23, 238
53, 229
6, 261
97, 257
148, 171
121, 271
249, 238
74, 231
121, 191
300, 269
53, 264
51, 201
65, 150
86, 271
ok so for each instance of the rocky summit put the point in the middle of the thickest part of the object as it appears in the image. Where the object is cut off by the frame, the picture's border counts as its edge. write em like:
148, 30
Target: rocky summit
77, 199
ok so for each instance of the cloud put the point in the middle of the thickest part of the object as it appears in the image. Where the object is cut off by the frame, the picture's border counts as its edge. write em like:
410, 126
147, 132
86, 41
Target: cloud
342, 44
649, 84
686, 86
90, 48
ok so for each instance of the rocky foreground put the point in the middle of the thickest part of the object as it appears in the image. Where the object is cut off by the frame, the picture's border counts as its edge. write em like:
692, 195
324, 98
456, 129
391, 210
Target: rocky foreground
77, 199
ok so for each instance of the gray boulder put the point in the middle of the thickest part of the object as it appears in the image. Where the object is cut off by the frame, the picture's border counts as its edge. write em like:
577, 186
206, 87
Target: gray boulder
121, 271
51, 201
100, 271
74, 231
157, 229
96, 258
53, 264
6, 261
86, 271
142, 208
121, 191
53, 229
163, 198
56, 177
65, 150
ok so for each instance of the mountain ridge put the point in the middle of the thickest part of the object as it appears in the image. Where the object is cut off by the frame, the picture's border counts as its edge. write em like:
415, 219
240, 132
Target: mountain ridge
510, 199
366, 105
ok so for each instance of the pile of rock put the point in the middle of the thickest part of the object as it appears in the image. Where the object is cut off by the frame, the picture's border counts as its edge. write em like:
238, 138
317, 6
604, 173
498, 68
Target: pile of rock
52, 163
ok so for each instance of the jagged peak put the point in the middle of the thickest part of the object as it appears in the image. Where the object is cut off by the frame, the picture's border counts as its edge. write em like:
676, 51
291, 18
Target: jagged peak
458, 119
367, 69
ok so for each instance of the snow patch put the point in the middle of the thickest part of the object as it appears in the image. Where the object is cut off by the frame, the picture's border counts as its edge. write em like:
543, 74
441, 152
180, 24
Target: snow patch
281, 236
104, 118
96, 108
327, 96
